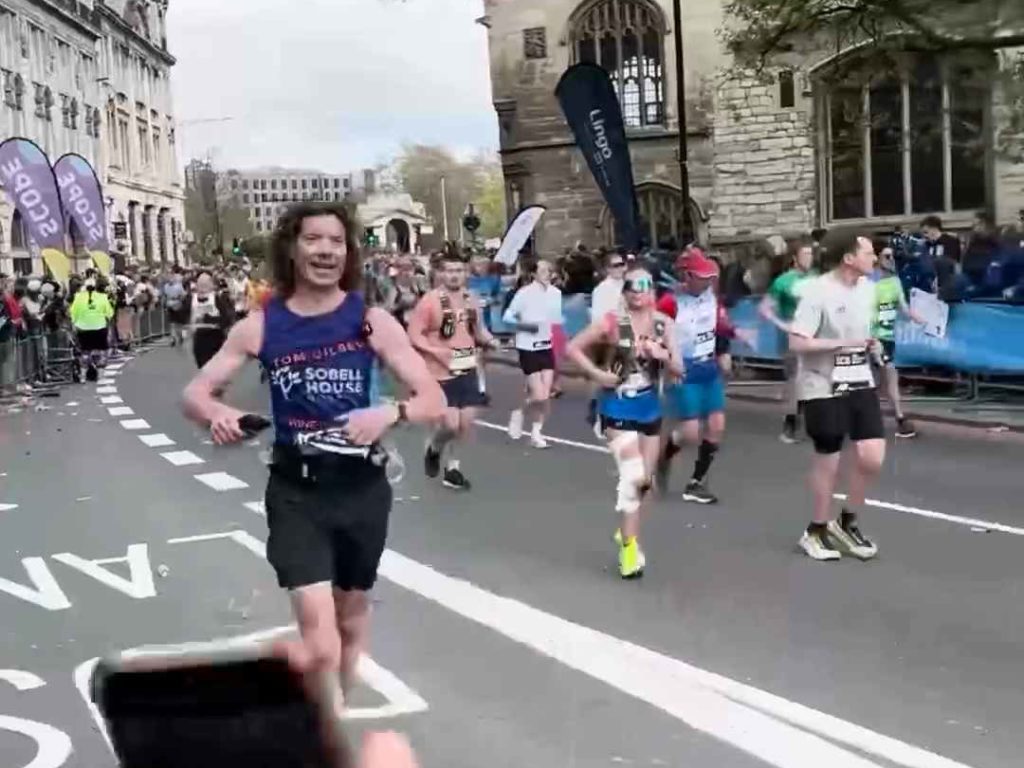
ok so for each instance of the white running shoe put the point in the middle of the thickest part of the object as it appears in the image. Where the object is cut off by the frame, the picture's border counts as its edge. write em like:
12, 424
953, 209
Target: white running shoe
850, 538
819, 546
537, 439
515, 425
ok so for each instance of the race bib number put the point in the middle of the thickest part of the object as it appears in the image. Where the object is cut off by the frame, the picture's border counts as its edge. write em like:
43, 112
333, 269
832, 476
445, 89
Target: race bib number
704, 345
851, 371
887, 314
331, 441
539, 345
463, 360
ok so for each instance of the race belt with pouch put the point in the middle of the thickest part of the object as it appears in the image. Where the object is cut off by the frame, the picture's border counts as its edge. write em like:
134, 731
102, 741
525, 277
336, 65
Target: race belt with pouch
327, 461
851, 371
463, 361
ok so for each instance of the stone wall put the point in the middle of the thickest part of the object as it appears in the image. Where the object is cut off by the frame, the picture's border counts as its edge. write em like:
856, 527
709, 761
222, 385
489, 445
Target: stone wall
764, 163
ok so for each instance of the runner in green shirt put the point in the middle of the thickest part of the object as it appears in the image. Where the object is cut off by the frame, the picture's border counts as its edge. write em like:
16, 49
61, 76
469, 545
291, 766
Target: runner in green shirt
890, 302
778, 307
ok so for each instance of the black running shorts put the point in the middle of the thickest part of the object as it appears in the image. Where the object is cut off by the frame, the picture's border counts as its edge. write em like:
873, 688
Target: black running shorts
464, 391
327, 533
93, 341
649, 428
856, 415
536, 360
888, 351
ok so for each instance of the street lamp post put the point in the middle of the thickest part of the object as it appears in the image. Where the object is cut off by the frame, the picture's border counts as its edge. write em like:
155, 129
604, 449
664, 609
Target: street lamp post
684, 169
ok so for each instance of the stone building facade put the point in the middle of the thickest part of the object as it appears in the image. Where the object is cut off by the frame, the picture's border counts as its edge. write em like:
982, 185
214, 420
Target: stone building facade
815, 144
92, 77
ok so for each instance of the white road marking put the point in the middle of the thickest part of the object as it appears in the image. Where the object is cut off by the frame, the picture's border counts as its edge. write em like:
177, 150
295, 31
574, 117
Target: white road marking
121, 411
779, 732
111, 400
183, 458
7, 507
135, 424
22, 680
549, 438
157, 441
968, 521
114, 366
46, 593
106, 390
222, 481
258, 507
53, 746
106, 381
139, 584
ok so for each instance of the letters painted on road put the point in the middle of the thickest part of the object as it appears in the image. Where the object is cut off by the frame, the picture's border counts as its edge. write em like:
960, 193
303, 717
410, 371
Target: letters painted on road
53, 746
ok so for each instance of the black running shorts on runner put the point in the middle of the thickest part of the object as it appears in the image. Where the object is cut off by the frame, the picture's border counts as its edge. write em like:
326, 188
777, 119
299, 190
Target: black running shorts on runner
327, 533
650, 428
857, 416
93, 341
536, 360
464, 391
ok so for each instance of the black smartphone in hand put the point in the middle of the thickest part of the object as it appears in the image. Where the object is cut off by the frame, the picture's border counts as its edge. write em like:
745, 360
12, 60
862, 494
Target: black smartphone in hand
206, 712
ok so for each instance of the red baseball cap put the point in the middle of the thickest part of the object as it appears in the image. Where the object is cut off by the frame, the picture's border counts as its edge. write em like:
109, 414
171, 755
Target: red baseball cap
695, 263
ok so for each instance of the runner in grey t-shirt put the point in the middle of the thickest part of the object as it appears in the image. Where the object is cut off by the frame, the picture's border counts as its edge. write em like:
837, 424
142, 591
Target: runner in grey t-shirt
831, 333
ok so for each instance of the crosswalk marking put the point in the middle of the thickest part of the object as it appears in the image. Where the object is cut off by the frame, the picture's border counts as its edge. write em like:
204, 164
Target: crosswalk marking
156, 441
221, 481
111, 400
106, 390
122, 411
256, 506
134, 424
182, 458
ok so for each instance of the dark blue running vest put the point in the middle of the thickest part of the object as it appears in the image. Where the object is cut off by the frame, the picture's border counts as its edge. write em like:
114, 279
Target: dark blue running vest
320, 369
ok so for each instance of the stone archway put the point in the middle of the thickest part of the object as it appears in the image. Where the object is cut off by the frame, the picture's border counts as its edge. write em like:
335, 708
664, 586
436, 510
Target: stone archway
397, 233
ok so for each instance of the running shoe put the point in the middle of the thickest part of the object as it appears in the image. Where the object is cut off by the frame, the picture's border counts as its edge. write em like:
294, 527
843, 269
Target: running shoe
818, 544
454, 479
846, 534
789, 436
630, 565
697, 492
641, 558
537, 439
432, 461
905, 428
515, 425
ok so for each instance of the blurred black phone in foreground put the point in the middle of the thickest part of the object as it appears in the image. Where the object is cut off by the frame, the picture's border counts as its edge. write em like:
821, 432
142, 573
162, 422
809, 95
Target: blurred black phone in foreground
198, 712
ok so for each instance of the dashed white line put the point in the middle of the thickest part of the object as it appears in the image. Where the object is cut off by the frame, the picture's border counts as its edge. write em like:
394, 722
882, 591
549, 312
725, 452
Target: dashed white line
157, 441
135, 424
105, 382
106, 390
7, 507
222, 481
183, 458
968, 521
122, 411
111, 400
114, 367
256, 506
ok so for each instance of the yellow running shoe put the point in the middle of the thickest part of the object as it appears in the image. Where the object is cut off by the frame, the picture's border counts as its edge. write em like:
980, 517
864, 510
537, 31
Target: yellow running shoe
630, 566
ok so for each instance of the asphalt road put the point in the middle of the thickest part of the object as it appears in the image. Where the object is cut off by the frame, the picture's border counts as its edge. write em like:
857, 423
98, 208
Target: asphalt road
502, 635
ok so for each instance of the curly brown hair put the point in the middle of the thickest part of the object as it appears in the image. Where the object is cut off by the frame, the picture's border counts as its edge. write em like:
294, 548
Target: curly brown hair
286, 234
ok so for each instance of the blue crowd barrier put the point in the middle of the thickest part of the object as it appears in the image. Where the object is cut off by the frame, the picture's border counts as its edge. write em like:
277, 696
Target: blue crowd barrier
980, 338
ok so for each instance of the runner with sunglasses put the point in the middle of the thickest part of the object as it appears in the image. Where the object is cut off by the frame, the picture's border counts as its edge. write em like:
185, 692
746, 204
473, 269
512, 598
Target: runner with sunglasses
606, 298
641, 350
697, 404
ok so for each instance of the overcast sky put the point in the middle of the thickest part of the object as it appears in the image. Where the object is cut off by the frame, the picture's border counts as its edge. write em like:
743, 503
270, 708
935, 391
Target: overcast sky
334, 85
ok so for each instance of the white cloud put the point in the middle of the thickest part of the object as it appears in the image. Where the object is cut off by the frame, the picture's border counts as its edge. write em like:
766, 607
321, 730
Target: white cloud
331, 84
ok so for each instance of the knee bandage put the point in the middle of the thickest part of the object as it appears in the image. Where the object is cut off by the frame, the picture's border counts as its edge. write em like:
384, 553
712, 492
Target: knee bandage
632, 473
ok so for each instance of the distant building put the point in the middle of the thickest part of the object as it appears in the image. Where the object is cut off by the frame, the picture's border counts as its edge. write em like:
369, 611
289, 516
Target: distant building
396, 220
265, 192
818, 142
93, 78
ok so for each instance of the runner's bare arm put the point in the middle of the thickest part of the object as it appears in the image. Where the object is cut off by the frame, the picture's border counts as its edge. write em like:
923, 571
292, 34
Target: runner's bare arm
389, 341
201, 401
419, 321
580, 346
674, 365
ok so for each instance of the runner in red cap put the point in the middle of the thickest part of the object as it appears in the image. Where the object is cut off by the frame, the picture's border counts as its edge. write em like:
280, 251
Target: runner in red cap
699, 400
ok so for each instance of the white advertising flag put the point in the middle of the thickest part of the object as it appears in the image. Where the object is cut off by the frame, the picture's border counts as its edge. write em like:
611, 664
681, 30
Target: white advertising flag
518, 233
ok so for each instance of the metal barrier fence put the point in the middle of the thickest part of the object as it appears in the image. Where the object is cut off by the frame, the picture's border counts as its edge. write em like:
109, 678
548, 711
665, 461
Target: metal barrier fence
28, 359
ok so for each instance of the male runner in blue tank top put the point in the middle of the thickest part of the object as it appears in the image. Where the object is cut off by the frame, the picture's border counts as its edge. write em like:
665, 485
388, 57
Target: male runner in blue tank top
328, 498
